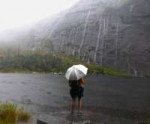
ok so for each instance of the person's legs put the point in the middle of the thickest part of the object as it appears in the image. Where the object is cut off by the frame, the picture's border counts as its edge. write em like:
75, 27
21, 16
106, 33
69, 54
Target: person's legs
79, 105
73, 96
73, 105
80, 95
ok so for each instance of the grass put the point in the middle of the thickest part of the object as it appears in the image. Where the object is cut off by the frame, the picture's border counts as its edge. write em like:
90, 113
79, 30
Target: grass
97, 69
7, 70
10, 114
93, 68
23, 115
51, 62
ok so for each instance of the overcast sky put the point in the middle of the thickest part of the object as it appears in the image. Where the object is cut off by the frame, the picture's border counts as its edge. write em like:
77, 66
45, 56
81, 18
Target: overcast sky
16, 13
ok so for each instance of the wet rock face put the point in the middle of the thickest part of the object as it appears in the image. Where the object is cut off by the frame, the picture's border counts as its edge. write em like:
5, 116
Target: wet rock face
113, 33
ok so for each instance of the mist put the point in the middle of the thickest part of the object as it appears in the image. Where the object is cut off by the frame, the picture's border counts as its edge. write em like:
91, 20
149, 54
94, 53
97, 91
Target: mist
17, 13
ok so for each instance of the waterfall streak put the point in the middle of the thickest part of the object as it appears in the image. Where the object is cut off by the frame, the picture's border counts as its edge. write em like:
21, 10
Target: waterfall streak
84, 31
98, 40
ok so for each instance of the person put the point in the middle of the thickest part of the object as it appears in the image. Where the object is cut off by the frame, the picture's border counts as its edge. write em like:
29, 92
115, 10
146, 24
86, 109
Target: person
76, 91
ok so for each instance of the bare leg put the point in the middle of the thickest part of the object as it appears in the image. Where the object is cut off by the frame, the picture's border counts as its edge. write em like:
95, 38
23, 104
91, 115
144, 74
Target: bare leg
73, 106
79, 105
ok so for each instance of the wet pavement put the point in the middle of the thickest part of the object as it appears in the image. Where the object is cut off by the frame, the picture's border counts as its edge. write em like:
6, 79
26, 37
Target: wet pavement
107, 100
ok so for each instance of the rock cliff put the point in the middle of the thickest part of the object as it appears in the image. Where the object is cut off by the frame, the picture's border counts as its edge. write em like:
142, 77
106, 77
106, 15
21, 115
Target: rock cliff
112, 33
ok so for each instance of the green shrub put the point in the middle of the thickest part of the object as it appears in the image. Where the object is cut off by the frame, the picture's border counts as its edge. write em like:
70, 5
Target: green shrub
10, 114
23, 115
49, 62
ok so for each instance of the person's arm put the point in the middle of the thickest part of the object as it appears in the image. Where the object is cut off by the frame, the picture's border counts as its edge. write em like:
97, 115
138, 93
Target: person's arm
82, 81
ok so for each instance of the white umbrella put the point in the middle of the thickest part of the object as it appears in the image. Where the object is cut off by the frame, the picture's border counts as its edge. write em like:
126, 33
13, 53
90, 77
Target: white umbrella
76, 72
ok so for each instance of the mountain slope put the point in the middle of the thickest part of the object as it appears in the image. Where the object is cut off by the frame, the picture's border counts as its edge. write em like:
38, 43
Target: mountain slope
112, 33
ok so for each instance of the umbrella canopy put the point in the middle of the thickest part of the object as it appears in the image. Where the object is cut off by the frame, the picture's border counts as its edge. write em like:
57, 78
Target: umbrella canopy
76, 72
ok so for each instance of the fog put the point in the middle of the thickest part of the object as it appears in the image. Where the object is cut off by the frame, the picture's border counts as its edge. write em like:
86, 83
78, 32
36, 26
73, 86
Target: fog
18, 13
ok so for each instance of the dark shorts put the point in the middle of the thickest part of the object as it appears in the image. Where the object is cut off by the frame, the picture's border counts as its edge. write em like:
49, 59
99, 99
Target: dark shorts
76, 92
